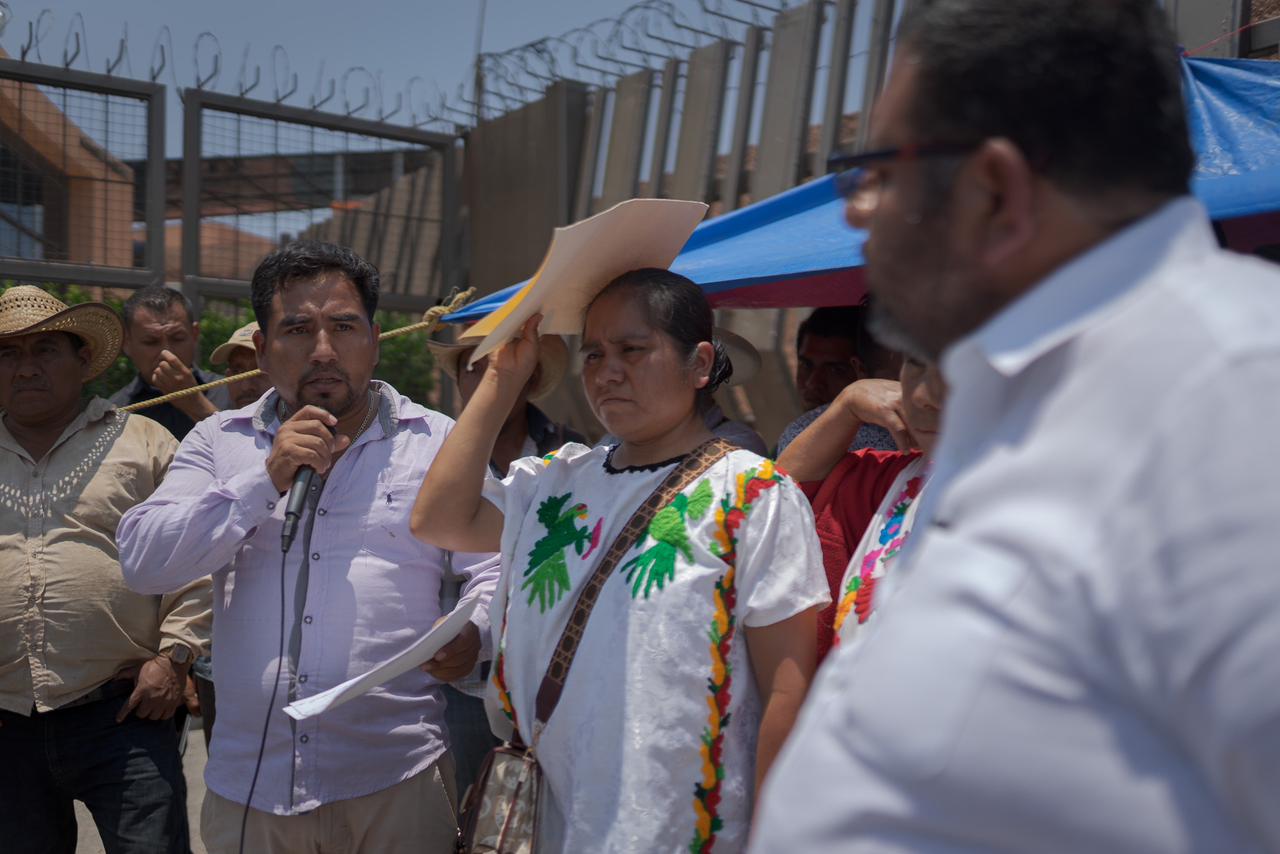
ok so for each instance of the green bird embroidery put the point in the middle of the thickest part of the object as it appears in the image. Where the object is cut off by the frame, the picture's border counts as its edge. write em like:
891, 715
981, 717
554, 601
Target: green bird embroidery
669, 531
547, 576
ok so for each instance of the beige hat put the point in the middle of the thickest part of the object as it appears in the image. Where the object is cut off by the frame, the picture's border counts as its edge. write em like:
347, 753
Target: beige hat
583, 258
25, 310
242, 337
553, 357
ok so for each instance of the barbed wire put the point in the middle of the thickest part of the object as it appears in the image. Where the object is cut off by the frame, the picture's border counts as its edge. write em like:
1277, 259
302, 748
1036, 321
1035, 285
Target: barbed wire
644, 36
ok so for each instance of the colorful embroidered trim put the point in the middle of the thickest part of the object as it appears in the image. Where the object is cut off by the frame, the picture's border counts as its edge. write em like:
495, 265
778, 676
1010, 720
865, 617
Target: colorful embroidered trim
706, 793
858, 593
729, 518
547, 575
500, 676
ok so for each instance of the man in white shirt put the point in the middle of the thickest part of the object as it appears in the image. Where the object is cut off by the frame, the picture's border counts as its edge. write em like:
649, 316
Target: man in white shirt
1078, 652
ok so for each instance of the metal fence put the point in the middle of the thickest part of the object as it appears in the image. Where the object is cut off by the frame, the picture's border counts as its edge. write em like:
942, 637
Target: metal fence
257, 174
81, 177
88, 197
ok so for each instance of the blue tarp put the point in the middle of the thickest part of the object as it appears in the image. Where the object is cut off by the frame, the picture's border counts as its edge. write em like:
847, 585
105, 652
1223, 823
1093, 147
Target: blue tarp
1234, 113
795, 249
799, 234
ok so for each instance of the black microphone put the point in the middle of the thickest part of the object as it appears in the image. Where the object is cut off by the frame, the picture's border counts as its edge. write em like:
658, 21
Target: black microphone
297, 501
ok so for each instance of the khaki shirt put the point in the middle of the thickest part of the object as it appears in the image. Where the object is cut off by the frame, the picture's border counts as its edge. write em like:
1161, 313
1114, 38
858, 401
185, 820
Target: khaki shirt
68, 623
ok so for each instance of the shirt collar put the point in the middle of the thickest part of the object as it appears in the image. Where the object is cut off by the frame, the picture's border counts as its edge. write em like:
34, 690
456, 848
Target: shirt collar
95, 410
1062, 305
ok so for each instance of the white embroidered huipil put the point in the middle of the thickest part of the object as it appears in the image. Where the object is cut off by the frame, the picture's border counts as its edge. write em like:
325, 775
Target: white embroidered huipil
1078, 649
881, 544
652, 746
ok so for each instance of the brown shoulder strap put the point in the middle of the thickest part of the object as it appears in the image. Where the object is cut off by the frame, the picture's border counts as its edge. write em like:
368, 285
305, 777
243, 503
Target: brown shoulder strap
690, 469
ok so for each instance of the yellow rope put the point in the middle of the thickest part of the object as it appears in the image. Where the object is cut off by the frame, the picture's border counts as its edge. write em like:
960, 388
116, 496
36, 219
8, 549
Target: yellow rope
430, 319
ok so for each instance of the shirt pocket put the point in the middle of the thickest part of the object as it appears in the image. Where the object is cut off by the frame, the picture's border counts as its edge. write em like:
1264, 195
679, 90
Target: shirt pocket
915, 675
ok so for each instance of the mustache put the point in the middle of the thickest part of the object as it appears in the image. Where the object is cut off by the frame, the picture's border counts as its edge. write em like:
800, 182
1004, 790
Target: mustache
326, 372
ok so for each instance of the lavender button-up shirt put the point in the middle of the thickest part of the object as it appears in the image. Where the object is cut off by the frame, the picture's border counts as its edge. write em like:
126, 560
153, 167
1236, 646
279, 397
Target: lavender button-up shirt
367, 589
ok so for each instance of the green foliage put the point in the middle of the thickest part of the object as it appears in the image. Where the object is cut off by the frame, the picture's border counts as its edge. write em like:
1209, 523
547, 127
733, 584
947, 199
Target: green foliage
405, 362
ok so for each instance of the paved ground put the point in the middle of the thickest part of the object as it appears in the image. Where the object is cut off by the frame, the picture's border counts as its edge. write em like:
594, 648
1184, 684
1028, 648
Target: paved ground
193, 762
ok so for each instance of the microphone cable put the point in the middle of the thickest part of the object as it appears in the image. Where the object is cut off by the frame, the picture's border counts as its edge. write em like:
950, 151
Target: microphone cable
266, 723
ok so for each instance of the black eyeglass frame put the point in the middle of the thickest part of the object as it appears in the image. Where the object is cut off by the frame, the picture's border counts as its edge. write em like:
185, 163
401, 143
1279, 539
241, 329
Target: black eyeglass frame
848, 167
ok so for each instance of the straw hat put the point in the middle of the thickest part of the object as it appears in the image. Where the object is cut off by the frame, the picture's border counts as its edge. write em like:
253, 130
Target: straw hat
553, 357
242, 337
25, 310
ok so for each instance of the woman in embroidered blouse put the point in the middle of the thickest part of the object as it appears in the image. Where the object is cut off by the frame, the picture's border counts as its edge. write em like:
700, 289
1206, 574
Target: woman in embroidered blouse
662, 734
866, 501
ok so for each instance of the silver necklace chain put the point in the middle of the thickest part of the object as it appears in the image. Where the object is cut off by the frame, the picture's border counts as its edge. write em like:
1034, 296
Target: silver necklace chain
370, 414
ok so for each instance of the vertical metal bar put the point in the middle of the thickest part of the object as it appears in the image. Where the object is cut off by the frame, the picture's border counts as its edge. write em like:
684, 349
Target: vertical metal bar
590, 155
837, 80
784, 127
154, 207
417, 200
661, 133
731, 188
706, 75
877, 64
383, 212
106, 177
437, 256
193, 113
448, 220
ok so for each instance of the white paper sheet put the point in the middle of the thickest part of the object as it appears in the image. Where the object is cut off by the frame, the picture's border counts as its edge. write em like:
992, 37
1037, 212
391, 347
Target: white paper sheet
419, 653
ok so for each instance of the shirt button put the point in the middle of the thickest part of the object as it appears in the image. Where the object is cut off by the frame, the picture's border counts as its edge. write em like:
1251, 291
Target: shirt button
315, 555
307, 619
271, 505
302, 678
322, 511
304, 739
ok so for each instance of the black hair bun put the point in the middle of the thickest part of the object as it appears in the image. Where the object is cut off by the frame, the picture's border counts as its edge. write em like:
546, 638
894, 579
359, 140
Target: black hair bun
721, 367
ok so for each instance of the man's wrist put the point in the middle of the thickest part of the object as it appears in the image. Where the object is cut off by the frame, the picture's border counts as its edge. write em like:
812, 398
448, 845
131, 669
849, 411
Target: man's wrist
180, 657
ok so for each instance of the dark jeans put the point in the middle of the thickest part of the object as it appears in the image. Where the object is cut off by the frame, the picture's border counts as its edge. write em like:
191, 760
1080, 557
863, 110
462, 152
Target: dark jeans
202, 670
470, 738
129, 775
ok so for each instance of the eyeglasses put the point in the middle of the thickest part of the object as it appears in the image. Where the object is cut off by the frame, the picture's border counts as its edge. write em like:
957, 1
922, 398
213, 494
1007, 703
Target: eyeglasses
860, 177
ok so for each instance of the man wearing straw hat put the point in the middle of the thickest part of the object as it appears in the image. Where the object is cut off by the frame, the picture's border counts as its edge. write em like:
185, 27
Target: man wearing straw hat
240, 355
355, 589
90, 672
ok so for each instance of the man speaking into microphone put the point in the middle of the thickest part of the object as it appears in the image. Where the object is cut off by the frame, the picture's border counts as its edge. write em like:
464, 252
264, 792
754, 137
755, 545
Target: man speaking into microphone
351, 587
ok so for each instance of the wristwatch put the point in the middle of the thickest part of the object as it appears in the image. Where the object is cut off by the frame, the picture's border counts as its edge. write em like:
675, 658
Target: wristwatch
179, 654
